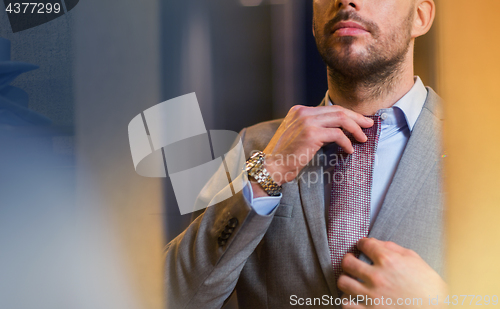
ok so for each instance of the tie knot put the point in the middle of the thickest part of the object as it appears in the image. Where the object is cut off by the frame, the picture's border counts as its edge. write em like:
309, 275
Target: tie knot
373, 131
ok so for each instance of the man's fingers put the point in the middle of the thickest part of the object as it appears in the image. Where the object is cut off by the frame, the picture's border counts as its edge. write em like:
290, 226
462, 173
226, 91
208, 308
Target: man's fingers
340, 120
356, 268
379, 251
373, 248
336, 135
361, 120
305, 111
351, 286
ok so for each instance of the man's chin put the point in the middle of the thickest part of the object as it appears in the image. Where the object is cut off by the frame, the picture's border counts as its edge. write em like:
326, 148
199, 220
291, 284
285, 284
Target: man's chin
355, 51
353, 68
350, 62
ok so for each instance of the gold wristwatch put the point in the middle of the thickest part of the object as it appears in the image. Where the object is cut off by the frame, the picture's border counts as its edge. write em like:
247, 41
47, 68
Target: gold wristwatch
255, 169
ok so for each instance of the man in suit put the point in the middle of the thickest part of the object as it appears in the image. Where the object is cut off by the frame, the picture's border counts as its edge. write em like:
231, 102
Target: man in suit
272, 242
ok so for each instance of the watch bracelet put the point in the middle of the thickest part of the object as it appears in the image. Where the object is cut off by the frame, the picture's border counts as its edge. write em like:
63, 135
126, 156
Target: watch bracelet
262, 176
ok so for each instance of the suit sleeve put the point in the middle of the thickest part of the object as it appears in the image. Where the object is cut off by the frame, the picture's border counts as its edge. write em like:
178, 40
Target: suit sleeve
204, 262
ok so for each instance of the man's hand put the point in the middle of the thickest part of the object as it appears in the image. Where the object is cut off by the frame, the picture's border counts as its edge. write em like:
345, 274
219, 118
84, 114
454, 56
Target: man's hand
304, 131
396, 273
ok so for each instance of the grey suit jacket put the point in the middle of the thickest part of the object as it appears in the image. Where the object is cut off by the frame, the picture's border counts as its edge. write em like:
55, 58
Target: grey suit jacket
267, 259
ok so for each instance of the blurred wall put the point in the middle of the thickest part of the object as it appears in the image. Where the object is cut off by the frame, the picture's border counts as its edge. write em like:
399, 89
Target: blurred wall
119, 213
468, 79
37, 175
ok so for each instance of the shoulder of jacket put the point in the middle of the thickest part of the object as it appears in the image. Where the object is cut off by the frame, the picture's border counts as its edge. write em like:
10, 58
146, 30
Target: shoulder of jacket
434, 104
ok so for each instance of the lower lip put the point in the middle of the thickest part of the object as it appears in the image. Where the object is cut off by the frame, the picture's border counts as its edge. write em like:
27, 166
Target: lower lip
350, 32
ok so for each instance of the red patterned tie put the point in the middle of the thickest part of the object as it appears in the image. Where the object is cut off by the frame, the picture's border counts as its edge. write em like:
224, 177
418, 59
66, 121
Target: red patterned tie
349, 212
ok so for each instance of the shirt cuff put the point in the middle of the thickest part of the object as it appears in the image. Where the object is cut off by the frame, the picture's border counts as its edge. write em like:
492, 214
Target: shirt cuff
262, 205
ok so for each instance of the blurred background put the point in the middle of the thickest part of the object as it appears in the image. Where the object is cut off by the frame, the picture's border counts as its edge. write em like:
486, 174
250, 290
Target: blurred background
80, 229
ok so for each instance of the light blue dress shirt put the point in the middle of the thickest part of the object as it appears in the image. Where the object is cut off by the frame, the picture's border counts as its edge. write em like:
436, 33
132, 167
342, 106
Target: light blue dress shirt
397, 124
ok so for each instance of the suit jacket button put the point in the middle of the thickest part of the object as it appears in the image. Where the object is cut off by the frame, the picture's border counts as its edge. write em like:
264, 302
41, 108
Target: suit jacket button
233, 223
222, 242
224, 236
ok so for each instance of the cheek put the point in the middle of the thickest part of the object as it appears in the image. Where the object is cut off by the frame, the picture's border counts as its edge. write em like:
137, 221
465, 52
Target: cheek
322, 10
394, 27
389, 14
321, 5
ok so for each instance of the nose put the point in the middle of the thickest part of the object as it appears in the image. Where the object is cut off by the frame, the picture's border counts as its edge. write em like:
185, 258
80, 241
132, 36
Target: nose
348, 4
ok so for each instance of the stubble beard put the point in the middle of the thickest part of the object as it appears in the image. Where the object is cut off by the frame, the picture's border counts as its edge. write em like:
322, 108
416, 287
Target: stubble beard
375, 72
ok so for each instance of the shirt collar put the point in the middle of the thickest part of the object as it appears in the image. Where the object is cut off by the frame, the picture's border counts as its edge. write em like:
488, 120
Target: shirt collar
410, 104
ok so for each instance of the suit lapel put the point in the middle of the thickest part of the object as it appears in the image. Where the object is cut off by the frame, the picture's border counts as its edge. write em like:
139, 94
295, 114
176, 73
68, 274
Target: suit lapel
313, 202
419, 158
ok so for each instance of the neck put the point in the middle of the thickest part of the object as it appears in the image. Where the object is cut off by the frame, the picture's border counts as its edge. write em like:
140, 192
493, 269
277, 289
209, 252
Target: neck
368, 95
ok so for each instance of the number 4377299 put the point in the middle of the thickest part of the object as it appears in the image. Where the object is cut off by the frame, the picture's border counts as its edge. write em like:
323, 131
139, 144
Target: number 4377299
33, 8
477, 300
